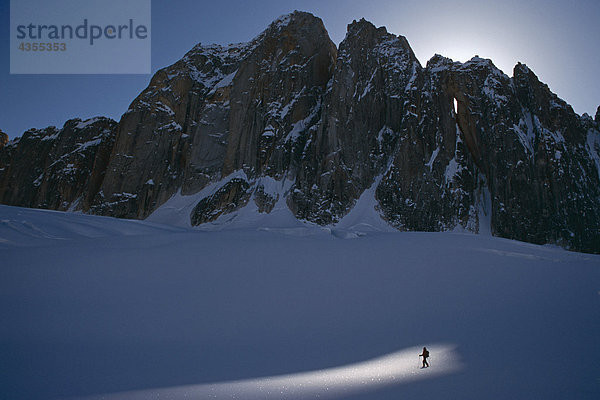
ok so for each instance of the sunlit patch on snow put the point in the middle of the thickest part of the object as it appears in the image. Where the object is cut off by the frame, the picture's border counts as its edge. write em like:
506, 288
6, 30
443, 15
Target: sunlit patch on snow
393, 369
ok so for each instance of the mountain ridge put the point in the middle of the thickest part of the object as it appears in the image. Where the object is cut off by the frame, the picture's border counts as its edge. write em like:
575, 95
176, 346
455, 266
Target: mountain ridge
446, 145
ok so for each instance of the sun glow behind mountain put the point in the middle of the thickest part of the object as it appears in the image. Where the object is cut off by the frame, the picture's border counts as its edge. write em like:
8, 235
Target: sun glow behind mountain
460, 34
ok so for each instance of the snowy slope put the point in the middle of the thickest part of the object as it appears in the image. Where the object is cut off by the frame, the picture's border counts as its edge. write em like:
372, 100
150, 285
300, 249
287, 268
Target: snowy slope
176, 211
93, 305
26, 227
362, 219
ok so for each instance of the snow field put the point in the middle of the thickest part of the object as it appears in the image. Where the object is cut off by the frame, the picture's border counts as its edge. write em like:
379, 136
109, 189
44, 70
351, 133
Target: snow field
94, 305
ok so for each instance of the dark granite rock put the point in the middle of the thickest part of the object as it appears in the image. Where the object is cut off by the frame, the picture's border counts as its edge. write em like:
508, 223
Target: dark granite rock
3, 139
230, 197
57, 169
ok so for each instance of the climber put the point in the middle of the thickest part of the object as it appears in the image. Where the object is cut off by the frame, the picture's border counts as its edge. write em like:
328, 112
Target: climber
425, 355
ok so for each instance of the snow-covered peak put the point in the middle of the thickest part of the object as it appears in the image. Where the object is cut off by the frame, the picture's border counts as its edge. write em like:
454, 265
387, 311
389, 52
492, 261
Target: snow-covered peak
291, 21
439, 63
210, 64
84, 124
477, 62
229, 54
283, 21
393, 52
363, 28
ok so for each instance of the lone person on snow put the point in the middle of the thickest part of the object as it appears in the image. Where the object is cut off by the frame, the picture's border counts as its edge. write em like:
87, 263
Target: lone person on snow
425, 355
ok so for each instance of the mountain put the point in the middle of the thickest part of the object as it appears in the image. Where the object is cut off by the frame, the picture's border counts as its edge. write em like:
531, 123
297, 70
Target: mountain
289, 119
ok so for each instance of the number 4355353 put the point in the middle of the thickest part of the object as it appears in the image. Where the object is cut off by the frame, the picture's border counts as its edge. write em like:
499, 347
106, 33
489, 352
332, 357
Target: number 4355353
28, 46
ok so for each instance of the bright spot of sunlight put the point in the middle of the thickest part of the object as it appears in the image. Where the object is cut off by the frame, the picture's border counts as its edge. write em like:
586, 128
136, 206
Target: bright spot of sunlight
393, 369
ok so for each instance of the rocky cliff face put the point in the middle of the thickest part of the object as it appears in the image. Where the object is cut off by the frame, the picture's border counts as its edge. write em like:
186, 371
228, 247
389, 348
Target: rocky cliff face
3, 139
360, 126
59, 169
519, 155
442, 146
218, 110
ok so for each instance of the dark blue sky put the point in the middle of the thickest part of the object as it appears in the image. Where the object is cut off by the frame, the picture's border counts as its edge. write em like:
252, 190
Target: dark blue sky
558, 40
